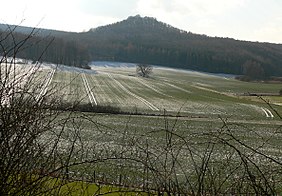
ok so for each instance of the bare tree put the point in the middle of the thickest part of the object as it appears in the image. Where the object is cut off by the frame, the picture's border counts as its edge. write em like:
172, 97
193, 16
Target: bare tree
144, 70
215, 162
25, 120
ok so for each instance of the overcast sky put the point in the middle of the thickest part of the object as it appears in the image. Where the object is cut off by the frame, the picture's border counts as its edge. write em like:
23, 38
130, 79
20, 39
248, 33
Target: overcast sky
253, 20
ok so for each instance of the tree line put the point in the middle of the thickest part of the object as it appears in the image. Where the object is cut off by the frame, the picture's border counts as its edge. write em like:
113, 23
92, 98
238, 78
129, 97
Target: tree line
49, 48
148, 41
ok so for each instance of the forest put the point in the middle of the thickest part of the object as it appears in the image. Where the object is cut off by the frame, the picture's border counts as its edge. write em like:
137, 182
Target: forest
146, 40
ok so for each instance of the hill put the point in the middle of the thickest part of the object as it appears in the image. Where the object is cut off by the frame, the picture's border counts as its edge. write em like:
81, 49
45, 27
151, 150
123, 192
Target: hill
146, 40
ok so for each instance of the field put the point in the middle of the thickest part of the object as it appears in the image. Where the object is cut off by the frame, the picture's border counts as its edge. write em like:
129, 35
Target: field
174, 91
172, 115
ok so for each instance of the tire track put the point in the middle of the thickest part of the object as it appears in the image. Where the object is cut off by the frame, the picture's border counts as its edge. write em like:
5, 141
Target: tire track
88, 90
267, 113
147, 103
116, 93
102, 88
177, 87
152, 88
44, 88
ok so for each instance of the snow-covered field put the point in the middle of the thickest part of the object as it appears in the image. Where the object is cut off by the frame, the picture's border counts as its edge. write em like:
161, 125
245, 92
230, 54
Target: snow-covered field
197, 102
174, 91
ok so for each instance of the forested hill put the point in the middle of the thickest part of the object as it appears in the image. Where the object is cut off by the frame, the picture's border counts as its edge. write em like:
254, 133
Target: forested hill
146, 40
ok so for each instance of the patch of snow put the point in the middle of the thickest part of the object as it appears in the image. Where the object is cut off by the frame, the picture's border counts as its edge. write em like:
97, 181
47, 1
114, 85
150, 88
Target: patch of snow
111, 64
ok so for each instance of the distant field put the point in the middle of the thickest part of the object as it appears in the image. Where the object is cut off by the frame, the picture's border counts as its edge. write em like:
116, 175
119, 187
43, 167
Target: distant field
176, 91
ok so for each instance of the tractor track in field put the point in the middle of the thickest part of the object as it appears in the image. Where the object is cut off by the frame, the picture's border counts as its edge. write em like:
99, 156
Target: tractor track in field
267, 112
177, 87
88, 90
116, 93
47, 82
147, 103
152, 88
262, 110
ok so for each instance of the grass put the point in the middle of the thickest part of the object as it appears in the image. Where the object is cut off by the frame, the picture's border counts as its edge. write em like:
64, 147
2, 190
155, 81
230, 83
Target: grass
80, 188
200, 100
57, 186
191, 93
114, 132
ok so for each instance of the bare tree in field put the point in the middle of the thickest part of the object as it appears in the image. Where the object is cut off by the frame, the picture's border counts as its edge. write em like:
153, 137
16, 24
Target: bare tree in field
144, 70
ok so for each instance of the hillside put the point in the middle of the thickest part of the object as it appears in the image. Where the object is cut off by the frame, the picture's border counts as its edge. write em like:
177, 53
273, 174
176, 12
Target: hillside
146, 40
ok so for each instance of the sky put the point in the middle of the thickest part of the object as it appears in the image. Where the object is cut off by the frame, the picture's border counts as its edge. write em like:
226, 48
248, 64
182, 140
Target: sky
251, 20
